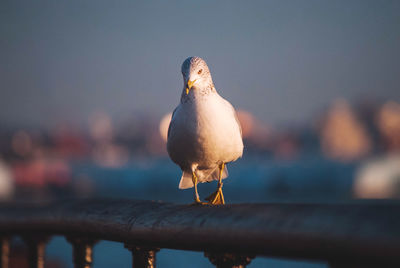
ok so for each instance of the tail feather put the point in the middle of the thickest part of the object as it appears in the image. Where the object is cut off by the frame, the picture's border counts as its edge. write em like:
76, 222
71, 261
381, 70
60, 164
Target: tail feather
186, 180
202, 175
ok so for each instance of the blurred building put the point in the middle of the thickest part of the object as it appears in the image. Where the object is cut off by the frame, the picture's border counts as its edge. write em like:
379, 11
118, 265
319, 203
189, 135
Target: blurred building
105, 150
69, 141
256, 134
342, 135
388, 121
6, 182
378, 178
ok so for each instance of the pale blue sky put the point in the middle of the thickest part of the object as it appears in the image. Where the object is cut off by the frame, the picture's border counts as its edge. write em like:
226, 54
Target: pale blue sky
281, 60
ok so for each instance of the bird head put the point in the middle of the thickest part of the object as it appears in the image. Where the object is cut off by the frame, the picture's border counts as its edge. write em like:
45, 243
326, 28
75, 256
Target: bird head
195, 74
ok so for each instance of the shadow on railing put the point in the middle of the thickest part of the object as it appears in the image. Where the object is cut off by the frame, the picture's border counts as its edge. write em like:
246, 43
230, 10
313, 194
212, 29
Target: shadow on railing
361, 234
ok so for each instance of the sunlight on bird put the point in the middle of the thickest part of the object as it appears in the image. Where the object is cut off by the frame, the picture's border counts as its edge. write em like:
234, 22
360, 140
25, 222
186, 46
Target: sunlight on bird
204, 133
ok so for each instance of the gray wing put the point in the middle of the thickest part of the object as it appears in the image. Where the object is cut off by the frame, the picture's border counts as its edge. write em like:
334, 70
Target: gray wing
169, 127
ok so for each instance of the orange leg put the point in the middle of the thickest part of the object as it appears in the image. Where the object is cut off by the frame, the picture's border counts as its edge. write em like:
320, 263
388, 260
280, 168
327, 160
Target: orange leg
217, 198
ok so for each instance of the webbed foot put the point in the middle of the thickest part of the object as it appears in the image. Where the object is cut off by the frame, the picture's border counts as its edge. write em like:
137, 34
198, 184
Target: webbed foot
216, 198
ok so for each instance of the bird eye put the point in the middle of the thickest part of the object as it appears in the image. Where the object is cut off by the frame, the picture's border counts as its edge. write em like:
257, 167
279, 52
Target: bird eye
199, 72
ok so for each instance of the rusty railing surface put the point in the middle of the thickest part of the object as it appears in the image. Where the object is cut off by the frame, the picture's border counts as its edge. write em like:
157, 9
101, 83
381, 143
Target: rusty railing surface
360, 234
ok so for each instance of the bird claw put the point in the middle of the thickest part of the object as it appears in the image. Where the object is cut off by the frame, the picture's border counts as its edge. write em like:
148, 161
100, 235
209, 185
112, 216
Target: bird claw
216, 198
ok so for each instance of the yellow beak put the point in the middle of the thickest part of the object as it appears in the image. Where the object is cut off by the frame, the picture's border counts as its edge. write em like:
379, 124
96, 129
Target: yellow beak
189, 86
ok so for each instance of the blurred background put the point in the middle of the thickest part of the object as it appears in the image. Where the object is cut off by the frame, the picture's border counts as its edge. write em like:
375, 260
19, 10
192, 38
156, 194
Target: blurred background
88, 87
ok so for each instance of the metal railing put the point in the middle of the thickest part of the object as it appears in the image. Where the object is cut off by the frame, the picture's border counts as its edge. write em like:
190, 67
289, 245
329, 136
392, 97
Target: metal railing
361, 234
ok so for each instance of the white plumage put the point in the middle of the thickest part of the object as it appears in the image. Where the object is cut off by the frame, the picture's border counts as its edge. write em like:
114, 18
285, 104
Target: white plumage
204, 131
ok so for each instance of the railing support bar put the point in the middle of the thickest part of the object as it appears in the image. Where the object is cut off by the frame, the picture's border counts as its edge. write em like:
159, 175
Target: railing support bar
82, 251
142, 257
36, 250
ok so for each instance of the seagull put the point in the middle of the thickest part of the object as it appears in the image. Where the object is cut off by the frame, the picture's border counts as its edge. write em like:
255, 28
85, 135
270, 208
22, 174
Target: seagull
204, 133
